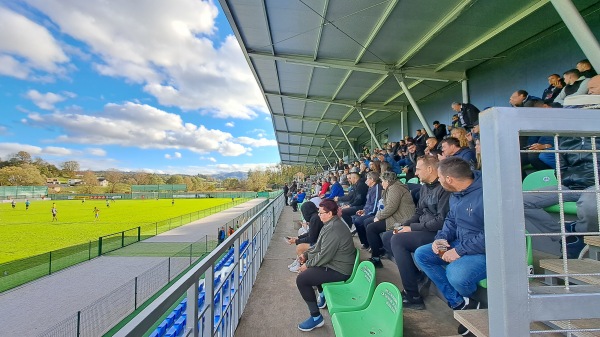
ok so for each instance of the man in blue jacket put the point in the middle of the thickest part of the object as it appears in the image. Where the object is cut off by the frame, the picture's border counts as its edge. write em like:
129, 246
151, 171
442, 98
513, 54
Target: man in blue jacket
451, 148
455, 261
336, 189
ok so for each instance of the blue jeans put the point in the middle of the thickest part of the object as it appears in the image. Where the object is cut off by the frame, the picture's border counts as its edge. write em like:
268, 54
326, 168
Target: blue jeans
455, 280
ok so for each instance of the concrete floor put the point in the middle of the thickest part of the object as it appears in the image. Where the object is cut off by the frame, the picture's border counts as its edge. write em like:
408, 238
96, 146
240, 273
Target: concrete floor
275, 307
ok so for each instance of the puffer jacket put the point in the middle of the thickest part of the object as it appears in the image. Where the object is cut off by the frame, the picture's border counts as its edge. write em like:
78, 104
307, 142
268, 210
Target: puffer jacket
431, 210
577, 169
464, 222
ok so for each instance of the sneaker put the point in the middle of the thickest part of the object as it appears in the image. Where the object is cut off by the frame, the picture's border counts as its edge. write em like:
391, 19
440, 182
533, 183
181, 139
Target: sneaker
353, 232
409, 302
575, 243
365, 247
294, 269
321, 302
310, 324
463, 331
295, 263
377, 263
468, 304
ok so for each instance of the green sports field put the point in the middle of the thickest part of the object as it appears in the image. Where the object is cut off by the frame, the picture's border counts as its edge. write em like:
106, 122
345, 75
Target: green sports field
25, 233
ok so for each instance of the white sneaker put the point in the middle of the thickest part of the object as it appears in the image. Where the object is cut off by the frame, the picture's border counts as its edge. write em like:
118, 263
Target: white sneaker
295, 263
294, 269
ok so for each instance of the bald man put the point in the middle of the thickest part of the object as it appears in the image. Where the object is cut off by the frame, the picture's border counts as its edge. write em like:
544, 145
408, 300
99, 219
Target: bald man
594, 85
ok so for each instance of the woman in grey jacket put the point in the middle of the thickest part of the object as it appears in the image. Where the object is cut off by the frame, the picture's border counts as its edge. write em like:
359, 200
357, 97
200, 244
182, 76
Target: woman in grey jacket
331, 259
398, 206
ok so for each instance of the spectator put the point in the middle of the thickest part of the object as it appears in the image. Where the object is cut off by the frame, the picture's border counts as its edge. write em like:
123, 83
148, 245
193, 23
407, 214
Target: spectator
336, 189
398, 206
473, 136
585, 68
439, 131
221, 234
432, 144
324, 187
419, 230
375, 166
575, 85
331, 259
461, 135
577, 171
365, 151
366, 215
522, 99
305, 241
298, 199
468, 114
455, 123
286, 189
355, 199
451, 148
554, 88
419, 141
341, 166
455, 261
478, 154
594, 85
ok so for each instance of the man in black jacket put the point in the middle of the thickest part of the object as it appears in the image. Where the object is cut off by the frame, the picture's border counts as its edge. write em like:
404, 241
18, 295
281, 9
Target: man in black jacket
439, 131
468, 114
577, 171
286, 189
419, 230
355, 199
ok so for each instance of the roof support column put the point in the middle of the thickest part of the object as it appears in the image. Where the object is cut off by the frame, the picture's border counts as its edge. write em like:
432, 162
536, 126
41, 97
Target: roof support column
328, 162
465, 91
348, 140
336, 155
403, 123
318, 161
359, 109
413, 103
579, 29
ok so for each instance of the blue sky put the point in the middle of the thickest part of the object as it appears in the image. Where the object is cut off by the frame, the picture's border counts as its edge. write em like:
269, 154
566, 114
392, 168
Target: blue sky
153, 85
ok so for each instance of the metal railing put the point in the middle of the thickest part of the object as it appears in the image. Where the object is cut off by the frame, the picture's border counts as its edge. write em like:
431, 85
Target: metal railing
513, 303
100, 316
226, 290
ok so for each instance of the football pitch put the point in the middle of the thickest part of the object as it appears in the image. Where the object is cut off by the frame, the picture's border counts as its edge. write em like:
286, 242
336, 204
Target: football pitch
25, 233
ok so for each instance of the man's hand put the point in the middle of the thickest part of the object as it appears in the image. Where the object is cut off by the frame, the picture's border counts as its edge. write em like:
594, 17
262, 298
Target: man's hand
360, 212
335, 199
375, 219
451, 256
405, 170
292, 240
302, 259
302, 268
439, 243
538, 146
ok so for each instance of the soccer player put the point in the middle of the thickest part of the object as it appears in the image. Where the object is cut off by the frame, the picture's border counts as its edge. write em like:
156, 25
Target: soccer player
54, 213
13, 203
27, 203
96, 213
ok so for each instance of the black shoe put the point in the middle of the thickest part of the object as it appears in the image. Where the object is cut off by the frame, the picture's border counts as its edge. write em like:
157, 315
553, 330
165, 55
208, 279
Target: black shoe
424, 283
463, 331
409, 302
575, 243
468, 304
377, 263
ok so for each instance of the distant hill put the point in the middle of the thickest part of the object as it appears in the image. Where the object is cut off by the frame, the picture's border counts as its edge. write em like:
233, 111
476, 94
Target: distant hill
237, 175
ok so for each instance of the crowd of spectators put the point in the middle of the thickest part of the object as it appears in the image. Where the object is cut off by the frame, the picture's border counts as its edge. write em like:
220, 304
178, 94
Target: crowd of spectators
440, 219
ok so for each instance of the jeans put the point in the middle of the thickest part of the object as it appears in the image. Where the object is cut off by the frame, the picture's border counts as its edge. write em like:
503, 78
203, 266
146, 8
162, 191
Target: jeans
548, 158
373, 231
402, 245
361, 223
454, 280
537, 220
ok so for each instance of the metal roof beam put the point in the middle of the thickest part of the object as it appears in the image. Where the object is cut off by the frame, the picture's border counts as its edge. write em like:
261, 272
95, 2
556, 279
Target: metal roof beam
521, 14
313, 135
373, 68
315, 119
386, 13
350, 104
316, 52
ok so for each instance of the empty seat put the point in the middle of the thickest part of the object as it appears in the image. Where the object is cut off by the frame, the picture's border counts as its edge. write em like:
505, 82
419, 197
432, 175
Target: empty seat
172, 332
354, 295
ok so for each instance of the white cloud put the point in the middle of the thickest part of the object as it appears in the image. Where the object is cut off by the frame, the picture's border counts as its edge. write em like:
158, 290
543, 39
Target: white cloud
96, 152
230, 124
212, 159
45, 101
139, 126
7, 149
57, 151
27, 47
177, 155
213, 168
257, 142
166, 47
167, 156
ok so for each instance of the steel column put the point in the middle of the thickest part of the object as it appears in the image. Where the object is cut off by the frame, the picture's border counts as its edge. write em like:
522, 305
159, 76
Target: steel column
413, 103
328, 162
348, 140
359, 110
579, 29
332, 148
465, 91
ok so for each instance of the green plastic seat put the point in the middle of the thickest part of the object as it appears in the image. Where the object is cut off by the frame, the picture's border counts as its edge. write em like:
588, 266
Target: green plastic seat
483, 283
354, 295
414, 180
354, 269
382, 317
401, 175
403, 180
544, 178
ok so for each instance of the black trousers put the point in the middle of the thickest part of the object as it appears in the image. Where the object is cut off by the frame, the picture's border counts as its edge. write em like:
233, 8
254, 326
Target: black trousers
315, 277
402, 245
347, 214
373, 231
361, 223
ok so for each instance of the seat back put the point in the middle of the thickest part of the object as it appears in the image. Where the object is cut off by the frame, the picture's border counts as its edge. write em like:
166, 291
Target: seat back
414, 180
386, 306
539, 179
355, 268
364, 278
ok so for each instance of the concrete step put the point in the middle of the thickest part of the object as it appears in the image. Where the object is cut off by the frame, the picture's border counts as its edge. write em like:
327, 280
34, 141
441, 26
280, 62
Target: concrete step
477, 322
583, 266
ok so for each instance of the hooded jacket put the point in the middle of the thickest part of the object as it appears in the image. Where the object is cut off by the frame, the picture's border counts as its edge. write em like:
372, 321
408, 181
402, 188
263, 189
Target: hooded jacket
464, 222
311, 212
577, 169
357, 196
431, 210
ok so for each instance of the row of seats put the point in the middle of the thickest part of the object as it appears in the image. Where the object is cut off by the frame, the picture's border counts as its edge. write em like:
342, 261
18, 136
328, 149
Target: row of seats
357, 308
174, 324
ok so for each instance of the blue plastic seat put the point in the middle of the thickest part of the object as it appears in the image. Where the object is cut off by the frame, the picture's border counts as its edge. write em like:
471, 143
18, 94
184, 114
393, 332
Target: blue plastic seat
170, 319
172, 332
184, 303
155, 334
162, 327
180, 325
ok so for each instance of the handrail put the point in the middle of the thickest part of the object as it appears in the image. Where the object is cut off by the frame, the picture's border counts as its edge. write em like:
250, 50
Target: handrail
189, 282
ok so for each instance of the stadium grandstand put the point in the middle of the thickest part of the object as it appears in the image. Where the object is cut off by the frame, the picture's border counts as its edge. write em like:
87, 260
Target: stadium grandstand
344, 82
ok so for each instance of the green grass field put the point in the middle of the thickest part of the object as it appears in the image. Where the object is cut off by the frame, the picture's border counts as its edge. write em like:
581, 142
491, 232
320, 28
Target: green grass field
25, 233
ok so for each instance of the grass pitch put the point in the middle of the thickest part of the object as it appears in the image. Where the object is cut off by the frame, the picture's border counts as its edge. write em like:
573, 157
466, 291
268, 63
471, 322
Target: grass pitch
25, 233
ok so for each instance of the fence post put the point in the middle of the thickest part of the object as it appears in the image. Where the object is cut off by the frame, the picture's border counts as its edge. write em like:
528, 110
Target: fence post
78, 323
50, 263
122, 239
90, 251
135, 293
169, 270
99, 246
139, 233
156, 225
191, 253
206, 243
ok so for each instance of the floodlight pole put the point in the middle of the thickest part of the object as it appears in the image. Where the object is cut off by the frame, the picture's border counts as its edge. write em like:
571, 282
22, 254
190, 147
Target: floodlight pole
328, 162
359, 110
579, 29
336, 155
413, 103
348, 140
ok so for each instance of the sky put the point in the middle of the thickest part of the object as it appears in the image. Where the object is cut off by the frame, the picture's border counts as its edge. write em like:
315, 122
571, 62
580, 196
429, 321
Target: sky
137, 85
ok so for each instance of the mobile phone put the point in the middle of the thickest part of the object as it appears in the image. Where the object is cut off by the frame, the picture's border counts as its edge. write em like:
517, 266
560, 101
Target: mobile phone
287, 237
526, 147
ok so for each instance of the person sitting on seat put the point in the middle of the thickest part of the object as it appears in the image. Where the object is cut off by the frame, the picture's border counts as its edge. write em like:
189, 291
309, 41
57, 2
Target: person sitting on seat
366, 215
331, 259
451, 148
398, 206
355, 199
336, 189
324, 187
298, 199
455, 261
420, 229
576, 85
305, 241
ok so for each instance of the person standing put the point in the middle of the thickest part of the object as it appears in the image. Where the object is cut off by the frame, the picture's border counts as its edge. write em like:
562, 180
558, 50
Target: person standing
468, 114
286, 189
54, 214
27, 203
221, 234
96, 213
13, 204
